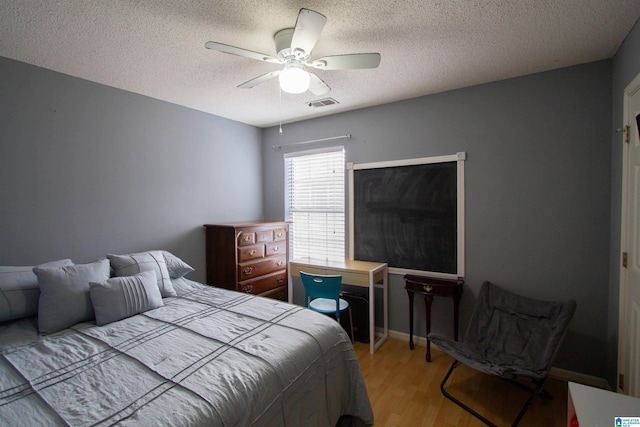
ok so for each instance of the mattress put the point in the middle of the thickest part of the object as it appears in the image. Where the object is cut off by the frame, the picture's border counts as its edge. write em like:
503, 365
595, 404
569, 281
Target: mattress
207, 357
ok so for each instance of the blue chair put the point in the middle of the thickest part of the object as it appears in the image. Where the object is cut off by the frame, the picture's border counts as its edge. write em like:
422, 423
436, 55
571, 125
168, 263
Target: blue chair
322, 294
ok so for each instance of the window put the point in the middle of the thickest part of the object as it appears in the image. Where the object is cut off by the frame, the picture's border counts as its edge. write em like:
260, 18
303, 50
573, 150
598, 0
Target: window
314, 202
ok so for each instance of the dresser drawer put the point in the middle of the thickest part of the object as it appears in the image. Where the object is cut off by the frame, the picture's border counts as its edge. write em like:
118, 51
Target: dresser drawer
276, 248
247, 253
279, 234
277, 293
264, 236
432, 285
250, 270
264, 284
246, 238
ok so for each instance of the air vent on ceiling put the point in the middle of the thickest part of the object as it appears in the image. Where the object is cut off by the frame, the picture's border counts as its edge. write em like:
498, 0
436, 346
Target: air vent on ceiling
323, 102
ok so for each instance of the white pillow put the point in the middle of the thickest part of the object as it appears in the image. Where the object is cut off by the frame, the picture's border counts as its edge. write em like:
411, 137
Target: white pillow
19, 291
128, 265
177, 267
64, 294
121, 297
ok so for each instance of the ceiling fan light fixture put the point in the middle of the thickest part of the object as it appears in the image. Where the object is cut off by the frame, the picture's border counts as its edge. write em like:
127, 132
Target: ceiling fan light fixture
294, 47
293, 79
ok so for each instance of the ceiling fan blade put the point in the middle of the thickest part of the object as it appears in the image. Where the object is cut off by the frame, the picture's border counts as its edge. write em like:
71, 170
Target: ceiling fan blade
260, 79
347, 62
317, 86
307, 31
241, 52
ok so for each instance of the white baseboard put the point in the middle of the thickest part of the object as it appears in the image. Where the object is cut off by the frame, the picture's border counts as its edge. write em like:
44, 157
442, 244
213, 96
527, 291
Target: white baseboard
556, 373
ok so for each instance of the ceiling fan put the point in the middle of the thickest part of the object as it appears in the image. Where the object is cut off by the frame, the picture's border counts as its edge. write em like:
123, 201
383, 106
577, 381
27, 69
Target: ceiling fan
294, 47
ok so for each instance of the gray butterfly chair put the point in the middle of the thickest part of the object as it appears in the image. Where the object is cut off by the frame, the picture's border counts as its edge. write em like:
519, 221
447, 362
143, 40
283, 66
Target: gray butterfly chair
322, 294
510, 336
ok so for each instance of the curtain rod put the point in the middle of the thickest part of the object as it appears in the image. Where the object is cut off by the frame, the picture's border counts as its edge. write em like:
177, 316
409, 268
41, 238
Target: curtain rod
347, 135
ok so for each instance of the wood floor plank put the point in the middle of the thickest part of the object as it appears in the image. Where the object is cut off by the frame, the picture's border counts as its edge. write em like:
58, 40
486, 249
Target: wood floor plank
404, 390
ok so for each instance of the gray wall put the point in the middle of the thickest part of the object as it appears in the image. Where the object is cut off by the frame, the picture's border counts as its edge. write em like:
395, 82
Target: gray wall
626, 66
87, 170
538, 182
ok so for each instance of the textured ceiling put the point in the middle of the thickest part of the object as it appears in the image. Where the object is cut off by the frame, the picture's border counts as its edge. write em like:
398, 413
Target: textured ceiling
156, 47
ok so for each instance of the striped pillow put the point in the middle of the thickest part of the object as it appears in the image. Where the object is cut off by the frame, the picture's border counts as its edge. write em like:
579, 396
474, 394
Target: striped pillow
121, 297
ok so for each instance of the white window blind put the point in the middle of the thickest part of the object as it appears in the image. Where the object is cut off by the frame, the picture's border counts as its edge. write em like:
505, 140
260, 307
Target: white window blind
314, 202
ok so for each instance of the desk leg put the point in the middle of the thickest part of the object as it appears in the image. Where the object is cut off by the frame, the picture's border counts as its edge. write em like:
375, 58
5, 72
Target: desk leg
385, 304
372, 315
411, 346
428, 300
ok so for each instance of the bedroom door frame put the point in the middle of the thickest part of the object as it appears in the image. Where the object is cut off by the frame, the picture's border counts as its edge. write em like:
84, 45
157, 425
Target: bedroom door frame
629, 298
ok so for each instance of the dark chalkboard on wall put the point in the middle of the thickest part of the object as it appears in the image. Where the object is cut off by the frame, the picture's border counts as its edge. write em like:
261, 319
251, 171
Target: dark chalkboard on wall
409, 214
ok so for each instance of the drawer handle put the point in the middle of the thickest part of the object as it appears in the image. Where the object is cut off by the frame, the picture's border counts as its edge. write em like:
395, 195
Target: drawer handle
247, 237
280, 279
252, 252
279, 263
280, 234
275, 249
428, 288
247, 288
247, 271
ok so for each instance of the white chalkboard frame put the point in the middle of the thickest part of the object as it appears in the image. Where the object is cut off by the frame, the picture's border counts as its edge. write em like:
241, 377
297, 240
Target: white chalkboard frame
459, 157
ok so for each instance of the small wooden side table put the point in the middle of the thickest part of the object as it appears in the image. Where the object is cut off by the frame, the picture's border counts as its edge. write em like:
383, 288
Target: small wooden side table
430, 287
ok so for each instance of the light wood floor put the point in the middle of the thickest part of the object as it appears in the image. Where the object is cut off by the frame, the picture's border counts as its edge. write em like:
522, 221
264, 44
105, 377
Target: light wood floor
404, 390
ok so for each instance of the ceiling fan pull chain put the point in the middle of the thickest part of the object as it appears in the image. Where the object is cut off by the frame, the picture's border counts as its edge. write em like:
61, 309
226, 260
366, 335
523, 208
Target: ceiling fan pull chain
280, 91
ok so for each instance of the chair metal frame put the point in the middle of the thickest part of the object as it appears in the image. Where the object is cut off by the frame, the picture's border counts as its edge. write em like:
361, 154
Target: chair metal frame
494, 302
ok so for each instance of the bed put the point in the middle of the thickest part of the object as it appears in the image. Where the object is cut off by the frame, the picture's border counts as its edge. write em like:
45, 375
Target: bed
205, 356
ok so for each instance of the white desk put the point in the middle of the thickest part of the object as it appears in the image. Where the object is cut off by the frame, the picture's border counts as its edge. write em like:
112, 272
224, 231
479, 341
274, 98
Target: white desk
358, 273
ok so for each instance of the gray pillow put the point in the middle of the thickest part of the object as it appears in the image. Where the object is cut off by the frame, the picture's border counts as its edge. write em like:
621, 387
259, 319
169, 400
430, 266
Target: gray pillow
64, 294
19, 291
177, 267
128, 265
121, 297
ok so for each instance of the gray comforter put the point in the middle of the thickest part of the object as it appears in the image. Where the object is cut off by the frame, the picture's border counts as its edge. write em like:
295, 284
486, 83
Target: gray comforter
208, 357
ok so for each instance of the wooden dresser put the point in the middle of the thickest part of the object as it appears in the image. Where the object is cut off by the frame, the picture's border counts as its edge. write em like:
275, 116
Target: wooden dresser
249, 257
